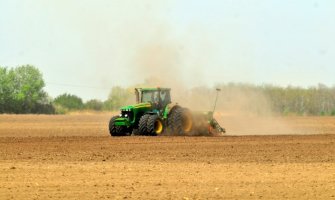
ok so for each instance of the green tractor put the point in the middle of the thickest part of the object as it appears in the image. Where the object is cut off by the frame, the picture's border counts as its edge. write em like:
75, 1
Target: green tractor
154, 113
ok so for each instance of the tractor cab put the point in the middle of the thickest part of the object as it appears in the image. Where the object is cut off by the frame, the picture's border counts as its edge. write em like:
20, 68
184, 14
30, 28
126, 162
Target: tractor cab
157, 97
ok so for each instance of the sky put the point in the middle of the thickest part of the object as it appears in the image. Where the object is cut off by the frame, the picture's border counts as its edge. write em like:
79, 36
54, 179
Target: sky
86, 47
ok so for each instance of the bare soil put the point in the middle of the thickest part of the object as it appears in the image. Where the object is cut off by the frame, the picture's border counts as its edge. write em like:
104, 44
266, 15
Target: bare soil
73, 157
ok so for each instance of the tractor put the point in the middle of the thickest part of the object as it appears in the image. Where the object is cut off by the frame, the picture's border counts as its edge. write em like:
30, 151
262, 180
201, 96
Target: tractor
154, 114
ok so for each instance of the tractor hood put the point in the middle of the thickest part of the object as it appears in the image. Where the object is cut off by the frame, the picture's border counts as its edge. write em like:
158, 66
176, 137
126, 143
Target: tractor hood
136, 106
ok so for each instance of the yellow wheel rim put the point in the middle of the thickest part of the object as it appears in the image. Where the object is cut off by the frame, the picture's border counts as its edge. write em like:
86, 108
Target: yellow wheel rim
158, 127
187, 126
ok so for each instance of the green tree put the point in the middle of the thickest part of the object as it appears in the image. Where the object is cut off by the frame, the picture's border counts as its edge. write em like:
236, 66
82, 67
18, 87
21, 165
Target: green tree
28, 84
21, 90
94, 104
69, 101
4, 89
119, 97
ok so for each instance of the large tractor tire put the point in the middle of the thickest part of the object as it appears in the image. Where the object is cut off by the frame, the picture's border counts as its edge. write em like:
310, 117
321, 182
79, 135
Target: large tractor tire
180, 121
142, 125
155, 125
171, 117
116, 130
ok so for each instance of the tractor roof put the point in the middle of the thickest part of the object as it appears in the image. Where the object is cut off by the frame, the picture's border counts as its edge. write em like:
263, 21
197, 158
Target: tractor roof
153, 89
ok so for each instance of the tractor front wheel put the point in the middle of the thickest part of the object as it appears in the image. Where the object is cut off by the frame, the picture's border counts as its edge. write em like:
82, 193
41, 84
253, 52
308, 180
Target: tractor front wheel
116, 130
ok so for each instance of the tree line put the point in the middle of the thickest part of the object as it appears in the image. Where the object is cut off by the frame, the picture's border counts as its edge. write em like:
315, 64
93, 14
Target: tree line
118, 97
22, 91
315, 100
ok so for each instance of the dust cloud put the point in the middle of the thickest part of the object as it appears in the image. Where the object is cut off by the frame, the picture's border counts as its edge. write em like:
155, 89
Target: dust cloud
148, 53
248, 112
242, 111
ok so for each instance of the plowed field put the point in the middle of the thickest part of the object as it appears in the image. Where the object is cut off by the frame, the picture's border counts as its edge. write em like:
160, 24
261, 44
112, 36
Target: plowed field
73, 157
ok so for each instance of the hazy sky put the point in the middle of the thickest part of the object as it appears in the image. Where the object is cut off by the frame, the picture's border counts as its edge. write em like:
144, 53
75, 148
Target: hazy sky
104, 43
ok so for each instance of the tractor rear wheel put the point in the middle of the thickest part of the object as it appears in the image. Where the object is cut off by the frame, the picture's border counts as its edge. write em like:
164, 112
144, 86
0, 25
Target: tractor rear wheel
116, 130
171, 117
154, 125
180, 121
142, 125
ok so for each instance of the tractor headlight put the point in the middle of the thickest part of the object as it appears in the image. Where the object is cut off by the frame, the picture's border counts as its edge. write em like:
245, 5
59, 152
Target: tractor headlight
120, 114
126, 115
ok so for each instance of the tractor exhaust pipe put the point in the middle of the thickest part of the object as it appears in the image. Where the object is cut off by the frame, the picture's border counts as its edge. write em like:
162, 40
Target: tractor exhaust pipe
137, 95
